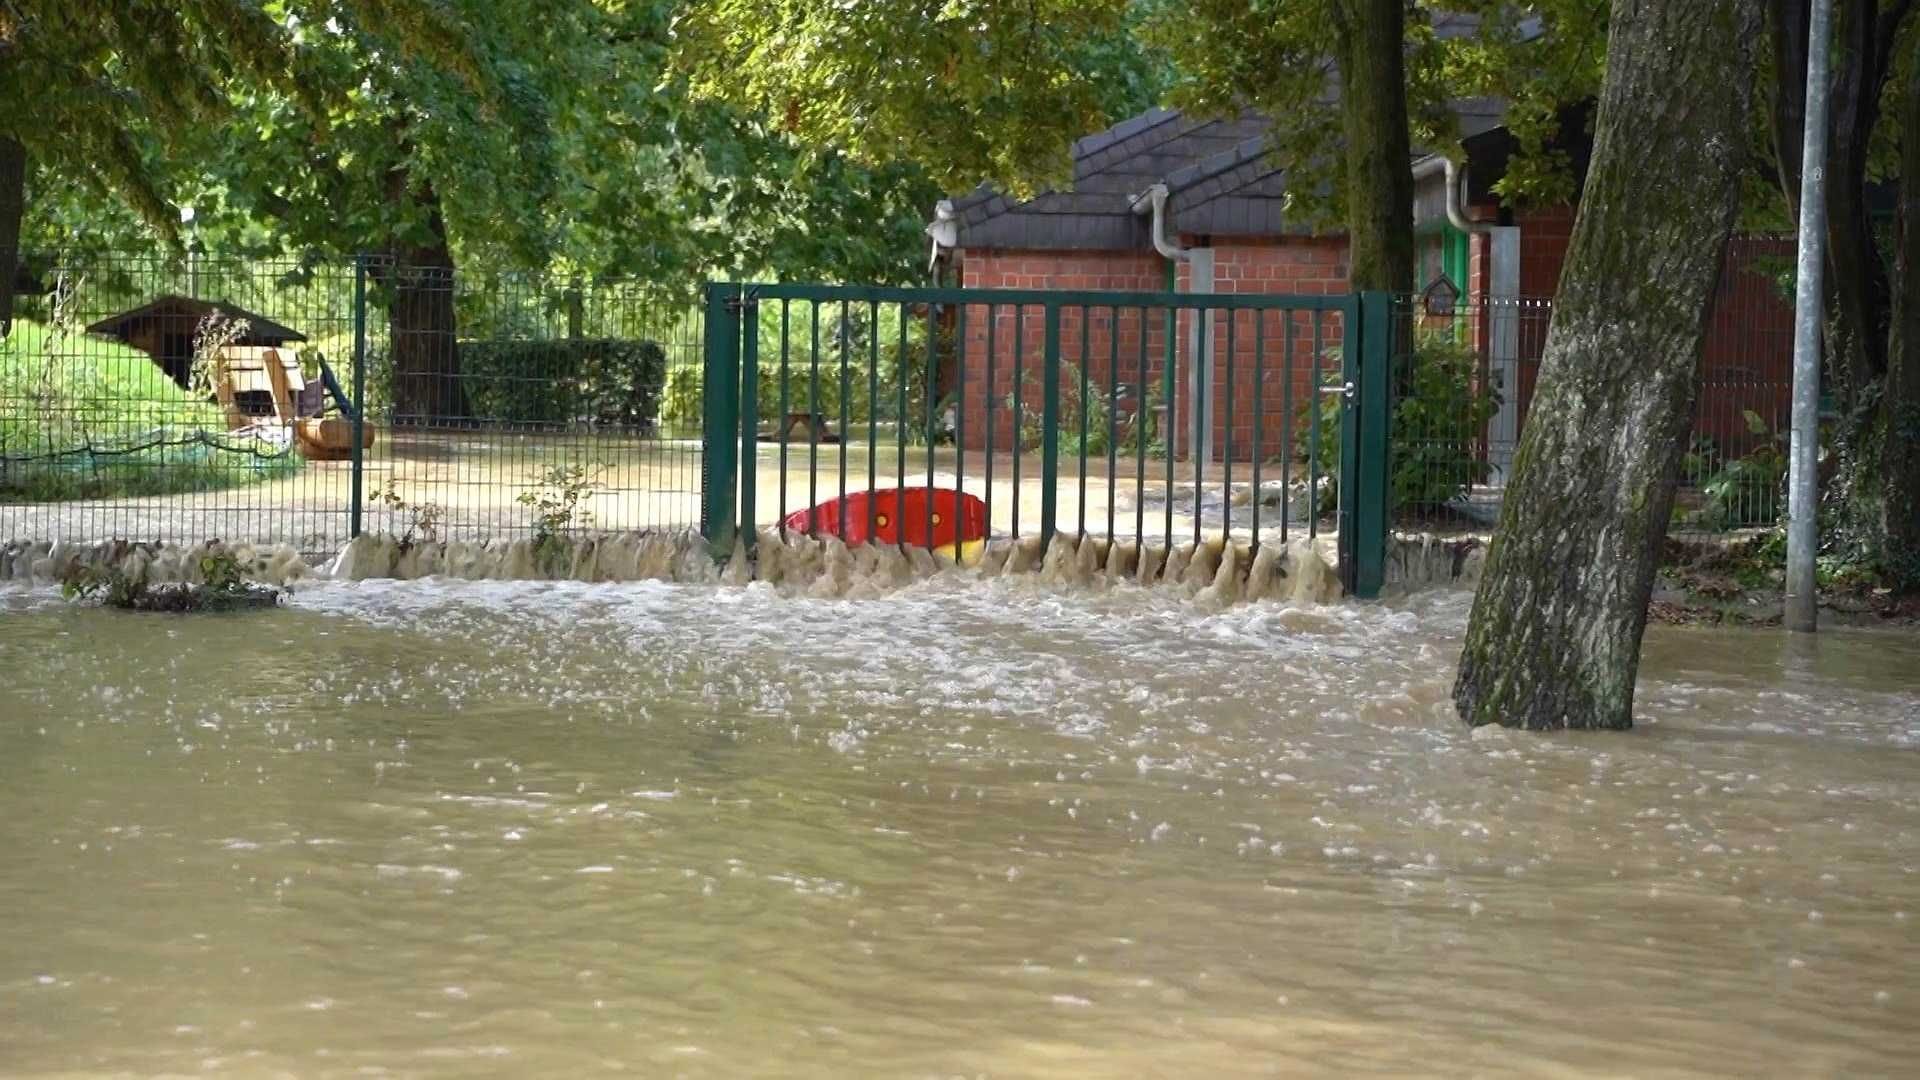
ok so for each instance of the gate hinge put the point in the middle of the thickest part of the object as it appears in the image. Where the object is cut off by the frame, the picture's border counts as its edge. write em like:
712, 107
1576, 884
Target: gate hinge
749, 300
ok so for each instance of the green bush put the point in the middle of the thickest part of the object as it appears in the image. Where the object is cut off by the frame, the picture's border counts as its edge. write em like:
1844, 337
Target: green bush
569, 381
1439, 417
1747, 491
1438, 422
585, 381
681, 402
1105, 431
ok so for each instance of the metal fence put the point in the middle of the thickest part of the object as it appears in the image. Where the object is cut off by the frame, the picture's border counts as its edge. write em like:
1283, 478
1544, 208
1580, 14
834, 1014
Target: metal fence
1149, 417
182, 399
1465, 376
301, 401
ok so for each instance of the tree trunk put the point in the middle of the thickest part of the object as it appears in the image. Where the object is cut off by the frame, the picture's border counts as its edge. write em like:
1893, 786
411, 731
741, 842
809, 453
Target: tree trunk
1900, 405
1554, 639
13, 205
1371, 55
422, 334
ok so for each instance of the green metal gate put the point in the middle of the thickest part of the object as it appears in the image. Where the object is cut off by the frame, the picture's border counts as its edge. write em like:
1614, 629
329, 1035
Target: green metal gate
1160, 416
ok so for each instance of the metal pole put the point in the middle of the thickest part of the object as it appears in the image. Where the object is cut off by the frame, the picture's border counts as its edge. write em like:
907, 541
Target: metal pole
356, 481
1803, 511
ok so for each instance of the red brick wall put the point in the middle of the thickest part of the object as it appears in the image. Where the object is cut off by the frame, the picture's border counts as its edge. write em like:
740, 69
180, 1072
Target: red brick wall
1006, 340
1747, 361
1303, 266
1131, 343
1544, 235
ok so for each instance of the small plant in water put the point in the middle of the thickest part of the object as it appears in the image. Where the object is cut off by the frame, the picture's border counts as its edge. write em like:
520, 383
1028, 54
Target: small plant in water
556, 503
115, 588
422, 518
223, 587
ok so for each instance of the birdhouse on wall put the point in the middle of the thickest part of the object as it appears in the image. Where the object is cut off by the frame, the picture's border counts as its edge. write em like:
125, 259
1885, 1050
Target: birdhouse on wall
1440, 297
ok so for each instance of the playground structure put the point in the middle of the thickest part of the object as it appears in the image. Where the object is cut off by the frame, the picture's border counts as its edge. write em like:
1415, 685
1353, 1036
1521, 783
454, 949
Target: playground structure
264, 387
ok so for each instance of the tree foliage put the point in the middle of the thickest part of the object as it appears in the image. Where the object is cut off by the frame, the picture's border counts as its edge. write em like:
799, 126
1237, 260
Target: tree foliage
85, 79
972, 89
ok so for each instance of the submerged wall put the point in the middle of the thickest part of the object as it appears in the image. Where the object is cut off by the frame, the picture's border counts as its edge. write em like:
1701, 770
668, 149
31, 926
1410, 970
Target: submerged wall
1214, 572
1302, 570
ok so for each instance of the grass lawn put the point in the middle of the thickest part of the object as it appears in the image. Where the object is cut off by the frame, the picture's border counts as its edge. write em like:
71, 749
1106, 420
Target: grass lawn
84, 417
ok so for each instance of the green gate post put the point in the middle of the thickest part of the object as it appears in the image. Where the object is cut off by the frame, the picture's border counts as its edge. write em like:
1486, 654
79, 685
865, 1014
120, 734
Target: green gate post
356, 483
1365, 443
749, 464
1050, 426
720, 419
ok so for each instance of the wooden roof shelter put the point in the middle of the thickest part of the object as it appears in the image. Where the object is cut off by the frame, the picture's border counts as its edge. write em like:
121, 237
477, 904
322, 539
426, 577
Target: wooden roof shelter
164, 329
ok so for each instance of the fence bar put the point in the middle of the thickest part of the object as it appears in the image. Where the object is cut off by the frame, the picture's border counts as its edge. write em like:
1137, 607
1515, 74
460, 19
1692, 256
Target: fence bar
1086, 339
1286, 422
813, 428
900, 424
1140, 413
993, 341
1226, 439
1313, 434
933, 388
873, 412
749, 414
1019, 412
1168, 393
786, 416
1372, 408
1050, 428
719, 469
846, 391
1259, 407
356, 486
959, 416
1113, 409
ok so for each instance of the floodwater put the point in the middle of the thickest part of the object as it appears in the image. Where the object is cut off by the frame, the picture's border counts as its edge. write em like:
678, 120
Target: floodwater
969, 829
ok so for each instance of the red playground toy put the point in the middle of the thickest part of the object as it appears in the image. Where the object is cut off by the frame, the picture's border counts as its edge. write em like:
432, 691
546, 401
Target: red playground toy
938, 519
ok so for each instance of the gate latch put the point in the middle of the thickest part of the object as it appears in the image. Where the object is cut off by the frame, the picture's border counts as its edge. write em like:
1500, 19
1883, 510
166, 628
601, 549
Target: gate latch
1345, 390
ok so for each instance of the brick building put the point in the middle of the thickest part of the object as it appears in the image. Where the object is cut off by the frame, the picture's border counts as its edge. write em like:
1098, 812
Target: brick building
1227, 227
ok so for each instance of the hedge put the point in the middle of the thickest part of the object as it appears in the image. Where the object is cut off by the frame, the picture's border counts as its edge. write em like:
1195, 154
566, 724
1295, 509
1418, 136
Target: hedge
610, 381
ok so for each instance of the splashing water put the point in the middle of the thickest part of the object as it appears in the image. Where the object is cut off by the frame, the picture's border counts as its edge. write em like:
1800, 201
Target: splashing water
968, 827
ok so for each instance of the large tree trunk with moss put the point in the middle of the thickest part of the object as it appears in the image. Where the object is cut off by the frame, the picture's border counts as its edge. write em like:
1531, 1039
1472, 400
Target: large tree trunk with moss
1370, 51
1554, 639
1874, 476
13, 205
421, 325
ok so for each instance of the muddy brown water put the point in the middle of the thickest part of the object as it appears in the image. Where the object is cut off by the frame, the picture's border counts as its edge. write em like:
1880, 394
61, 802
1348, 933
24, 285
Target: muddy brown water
969, 829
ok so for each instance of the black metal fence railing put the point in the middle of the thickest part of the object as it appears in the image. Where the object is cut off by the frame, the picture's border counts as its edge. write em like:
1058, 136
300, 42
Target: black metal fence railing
155, 398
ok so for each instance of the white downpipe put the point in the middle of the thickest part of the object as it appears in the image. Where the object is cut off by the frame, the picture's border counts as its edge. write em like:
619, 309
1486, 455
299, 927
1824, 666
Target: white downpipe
944, 231
1500, 307
1199, 328
1154, 201
1456, 215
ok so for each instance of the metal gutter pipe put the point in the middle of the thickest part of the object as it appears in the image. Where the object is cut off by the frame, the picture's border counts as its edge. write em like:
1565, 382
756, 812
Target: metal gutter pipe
1456, 216
1154, 201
